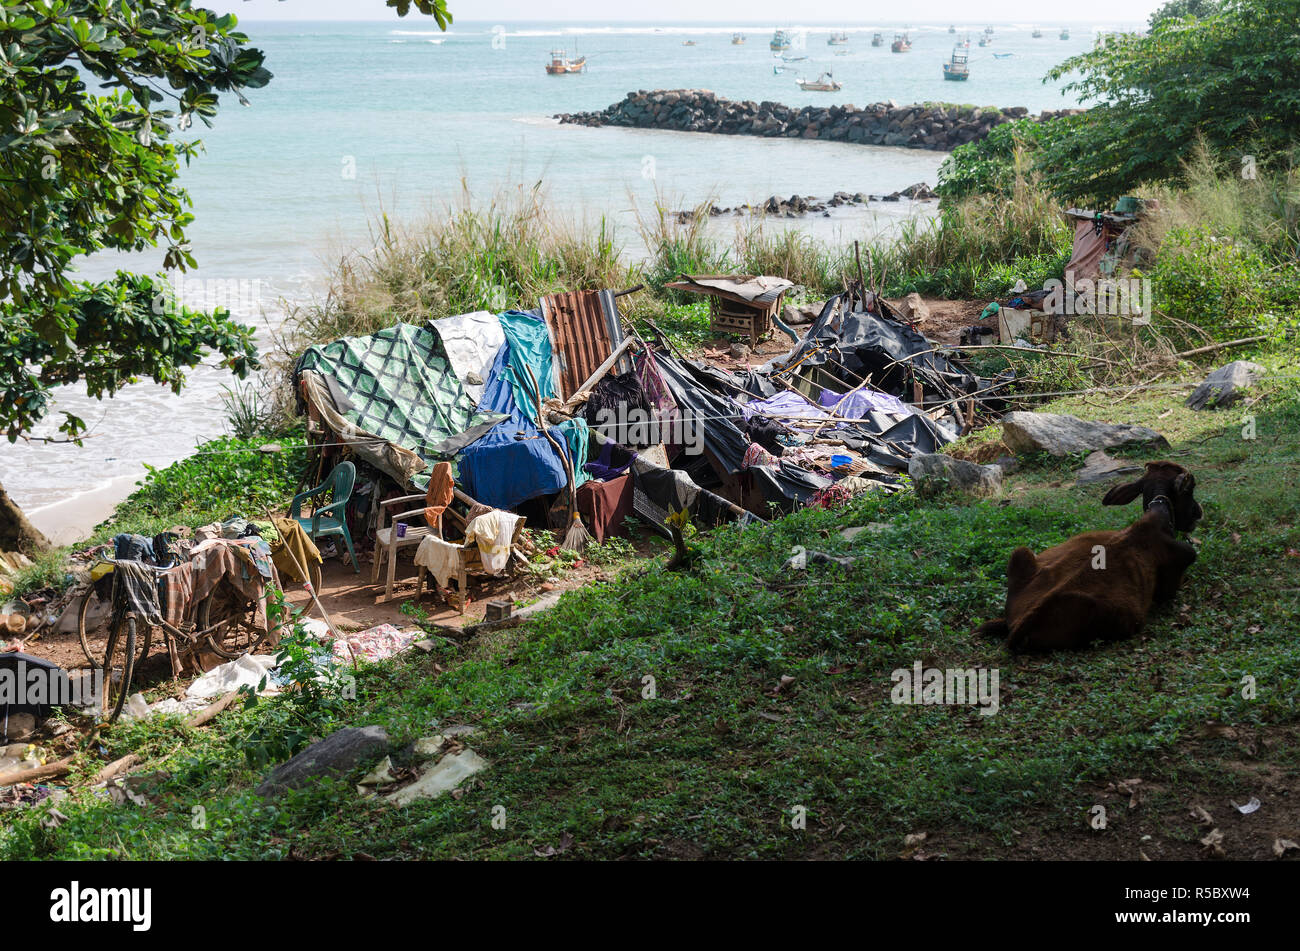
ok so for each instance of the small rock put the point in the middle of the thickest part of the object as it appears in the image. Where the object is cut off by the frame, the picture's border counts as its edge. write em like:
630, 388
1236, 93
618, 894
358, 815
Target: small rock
797, 315
1100, 467
1060, 434
914, 309
1224, 386
336, 755
933, 473
739, 351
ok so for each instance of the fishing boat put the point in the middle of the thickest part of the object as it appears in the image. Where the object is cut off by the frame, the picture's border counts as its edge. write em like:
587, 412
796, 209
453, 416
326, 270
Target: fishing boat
952, 29
1037, 34
823, 83
561, 64
984, 41
838, 39
957, 69
737, 39
877, 39
902, 43
1065, 33
780, 41
688, 42
988, 30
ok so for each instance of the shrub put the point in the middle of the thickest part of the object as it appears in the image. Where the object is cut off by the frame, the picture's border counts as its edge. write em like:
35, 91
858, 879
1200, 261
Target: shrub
1210, 282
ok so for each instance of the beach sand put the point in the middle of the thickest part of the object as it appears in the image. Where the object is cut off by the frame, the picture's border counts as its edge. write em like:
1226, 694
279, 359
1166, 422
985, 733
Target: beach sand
73, 519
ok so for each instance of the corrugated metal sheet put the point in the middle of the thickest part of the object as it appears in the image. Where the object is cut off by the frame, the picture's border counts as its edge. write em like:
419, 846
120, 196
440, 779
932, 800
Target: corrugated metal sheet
585, 329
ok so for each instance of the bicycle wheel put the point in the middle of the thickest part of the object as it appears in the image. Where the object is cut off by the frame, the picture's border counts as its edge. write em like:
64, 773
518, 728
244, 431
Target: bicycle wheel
235, 630
83, 633
119, 665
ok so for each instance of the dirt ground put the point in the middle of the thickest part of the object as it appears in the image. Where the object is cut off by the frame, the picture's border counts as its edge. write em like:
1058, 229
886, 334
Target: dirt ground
354, 604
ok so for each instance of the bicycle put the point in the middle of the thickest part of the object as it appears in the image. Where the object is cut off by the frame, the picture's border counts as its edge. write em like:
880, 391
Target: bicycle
222, 624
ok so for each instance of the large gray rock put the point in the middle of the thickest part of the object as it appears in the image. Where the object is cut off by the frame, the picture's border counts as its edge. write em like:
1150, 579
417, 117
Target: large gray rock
335, 756
1224, 386
934, 473
1059, 434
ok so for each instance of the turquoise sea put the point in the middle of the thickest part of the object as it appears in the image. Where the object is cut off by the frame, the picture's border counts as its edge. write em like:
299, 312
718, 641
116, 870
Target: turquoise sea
400, 118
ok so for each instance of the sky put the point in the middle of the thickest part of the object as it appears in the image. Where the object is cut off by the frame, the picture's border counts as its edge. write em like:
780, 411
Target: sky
682, 11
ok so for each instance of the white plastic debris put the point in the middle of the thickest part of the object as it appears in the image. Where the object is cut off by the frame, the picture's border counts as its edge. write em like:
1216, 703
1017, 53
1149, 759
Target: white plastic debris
219, 681
449, 772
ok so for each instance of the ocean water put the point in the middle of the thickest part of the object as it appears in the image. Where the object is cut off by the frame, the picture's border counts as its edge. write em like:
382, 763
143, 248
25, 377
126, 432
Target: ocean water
400, 119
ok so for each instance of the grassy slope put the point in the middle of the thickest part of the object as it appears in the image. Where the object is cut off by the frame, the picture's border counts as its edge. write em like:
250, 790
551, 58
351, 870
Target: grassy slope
714, 764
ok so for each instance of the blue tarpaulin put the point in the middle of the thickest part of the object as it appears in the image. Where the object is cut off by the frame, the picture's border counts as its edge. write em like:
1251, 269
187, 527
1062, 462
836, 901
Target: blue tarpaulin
513, 462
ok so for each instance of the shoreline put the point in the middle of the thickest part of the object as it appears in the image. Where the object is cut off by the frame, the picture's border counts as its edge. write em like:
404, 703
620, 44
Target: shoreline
71, 520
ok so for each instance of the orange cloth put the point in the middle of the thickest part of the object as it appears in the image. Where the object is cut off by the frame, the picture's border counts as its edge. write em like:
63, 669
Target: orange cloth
439, 495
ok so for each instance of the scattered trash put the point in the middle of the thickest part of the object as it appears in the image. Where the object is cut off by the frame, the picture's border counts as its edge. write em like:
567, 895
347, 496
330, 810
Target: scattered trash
1248, 808
380, 776
1213, 843
1201, 816
443, 777
546, 851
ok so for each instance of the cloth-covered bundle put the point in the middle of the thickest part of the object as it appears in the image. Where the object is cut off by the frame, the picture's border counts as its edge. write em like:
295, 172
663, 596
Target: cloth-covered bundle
613, 392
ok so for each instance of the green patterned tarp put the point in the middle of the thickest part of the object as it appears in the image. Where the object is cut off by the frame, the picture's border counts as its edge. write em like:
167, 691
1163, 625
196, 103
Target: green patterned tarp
397, 384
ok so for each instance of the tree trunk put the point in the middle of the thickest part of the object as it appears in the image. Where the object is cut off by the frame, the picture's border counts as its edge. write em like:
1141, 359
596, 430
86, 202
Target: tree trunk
16, 532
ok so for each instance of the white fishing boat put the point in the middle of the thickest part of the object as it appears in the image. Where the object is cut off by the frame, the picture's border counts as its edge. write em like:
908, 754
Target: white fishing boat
823, 83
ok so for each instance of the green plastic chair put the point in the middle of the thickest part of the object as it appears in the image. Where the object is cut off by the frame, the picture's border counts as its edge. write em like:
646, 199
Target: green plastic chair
330, 519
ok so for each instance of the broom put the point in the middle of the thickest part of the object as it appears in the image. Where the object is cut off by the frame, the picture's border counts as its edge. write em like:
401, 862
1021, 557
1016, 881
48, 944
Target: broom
577, 537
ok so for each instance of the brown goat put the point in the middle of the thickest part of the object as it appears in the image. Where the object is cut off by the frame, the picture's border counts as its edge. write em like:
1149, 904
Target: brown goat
1101, 584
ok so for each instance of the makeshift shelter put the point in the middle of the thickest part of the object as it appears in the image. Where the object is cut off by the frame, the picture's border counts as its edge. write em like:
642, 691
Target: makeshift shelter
1100, 242
843, 411
392, 397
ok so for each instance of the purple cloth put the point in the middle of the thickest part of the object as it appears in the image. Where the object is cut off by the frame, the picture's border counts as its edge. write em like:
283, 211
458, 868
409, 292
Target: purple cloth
603, 467
862, 401
786, 407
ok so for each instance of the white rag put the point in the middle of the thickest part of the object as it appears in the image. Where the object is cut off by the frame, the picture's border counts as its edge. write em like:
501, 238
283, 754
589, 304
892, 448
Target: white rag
493, 532
441, 558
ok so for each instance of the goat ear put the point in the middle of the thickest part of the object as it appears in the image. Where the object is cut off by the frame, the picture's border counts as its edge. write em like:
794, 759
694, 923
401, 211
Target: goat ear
1184, 482
1123, 494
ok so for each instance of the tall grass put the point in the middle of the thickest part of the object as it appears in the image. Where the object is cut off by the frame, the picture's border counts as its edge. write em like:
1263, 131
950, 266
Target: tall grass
1230, 201
514, 250
1222, 250
979, 245
518, 248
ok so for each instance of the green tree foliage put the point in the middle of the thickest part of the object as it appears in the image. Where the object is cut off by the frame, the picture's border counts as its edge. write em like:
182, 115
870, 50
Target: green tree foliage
89, 169
989, 165
1229, 78
1177, 9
